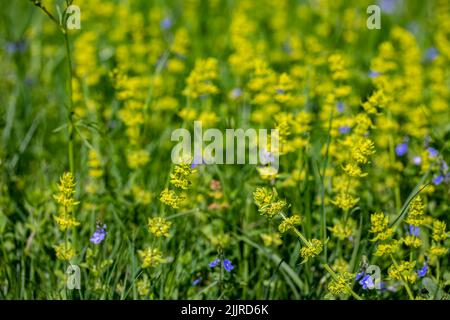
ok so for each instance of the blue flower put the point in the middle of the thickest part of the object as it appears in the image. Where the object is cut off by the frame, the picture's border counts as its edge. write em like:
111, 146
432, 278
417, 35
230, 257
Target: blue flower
438, 180
373, 74
367, 282
388, 6
432, 152
196, 281
236, 93
214, 263
423, 271
266, 157
227, 265
401, 149
99, 234
414, 231
431, 54
359, 275
280, 91
344, 129
340, 106
417, 160
166, 23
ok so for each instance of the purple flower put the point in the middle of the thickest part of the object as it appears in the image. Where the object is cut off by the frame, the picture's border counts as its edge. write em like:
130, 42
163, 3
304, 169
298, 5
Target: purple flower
367, 282
227, 265
344, 129
340, 106
99, 234
423, 271
417, 160
414, 231
431, 54
433, 153
401, 149
214, 263
438, 180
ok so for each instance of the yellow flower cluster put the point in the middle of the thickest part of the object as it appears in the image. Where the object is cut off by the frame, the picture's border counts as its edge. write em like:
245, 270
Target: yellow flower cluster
65, 198
403, 272
200, 80
180, 179
416, 213
151, 257
338, 286
159, 226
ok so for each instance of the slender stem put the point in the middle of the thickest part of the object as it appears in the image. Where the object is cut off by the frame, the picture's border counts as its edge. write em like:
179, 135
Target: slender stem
298, 233
405, 281
71, 104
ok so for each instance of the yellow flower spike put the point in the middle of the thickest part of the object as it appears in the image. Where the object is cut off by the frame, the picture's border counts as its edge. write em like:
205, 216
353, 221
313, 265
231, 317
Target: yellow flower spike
416, 214
439, 233
315, 249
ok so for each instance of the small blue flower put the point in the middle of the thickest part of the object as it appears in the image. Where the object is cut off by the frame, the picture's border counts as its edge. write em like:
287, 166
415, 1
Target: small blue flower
166, 23
423, 271
401, 149
340, 106
266, 157
417, 160
359, 275
373, 74
438, 180
388, 6
236, 93
432, 152
99, 234
344, 129
196, 281
227, 265
414, 231
431, 54
280, 91
214, 263
367, 282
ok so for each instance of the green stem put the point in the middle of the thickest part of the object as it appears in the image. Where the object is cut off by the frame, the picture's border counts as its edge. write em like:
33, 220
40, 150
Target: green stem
405, 282
298, 233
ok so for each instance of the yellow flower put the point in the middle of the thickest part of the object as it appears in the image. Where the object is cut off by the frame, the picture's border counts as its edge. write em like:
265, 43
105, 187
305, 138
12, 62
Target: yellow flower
343, 230
289, 223
379, 226
416, 212
200, 79
137, 158
159, 226
389, 248
353, 170
362, 149
339, 286
439, 232
345, 201
171, 198
151, 257
438, 250
404, 271
66, 221
412, 241
66, 191
311, 251
180, 177
272, 239
65, 251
